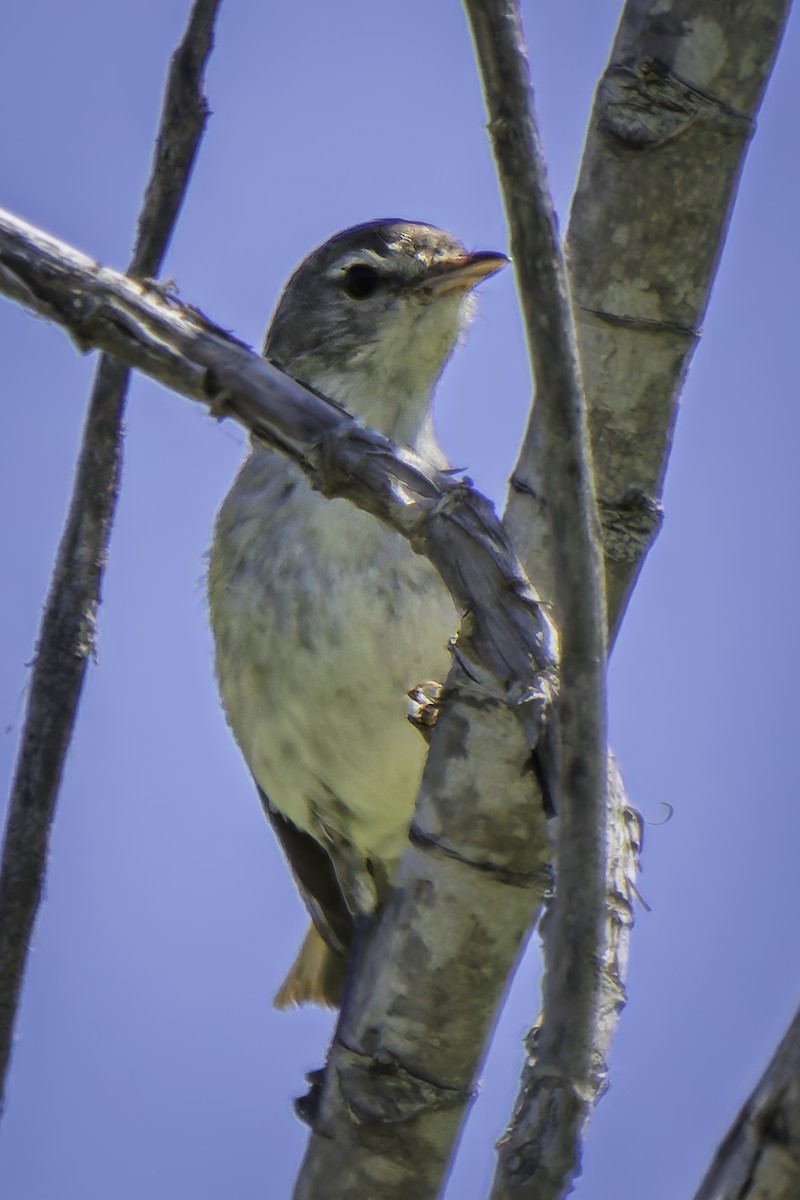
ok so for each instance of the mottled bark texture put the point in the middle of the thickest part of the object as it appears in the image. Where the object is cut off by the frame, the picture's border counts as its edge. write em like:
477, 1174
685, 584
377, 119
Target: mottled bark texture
672, 118
67, 634
539, 1154
403, 1062
566, 1050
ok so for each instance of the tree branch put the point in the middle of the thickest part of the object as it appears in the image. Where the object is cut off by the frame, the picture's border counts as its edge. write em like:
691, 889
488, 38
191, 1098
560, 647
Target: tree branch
677, 102
403, 1063
175, 344
67, 633
536, 1131
760, 1155
566, 1075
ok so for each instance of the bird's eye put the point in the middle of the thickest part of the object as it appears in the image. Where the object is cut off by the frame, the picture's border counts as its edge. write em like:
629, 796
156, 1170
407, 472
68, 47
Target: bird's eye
360, 281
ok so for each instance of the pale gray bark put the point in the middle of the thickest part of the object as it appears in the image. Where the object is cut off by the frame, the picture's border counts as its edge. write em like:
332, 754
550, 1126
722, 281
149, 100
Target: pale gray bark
759, 1158
676, 103
404, 1059
67, 634
539, 1155
566, 1068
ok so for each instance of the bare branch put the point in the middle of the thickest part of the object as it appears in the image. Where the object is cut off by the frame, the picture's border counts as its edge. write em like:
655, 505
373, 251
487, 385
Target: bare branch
403, 1063
184, 114
471, 883
566, 497
567, 1042
677, 102
174, 343
760, 1155
66, 637
539, 1131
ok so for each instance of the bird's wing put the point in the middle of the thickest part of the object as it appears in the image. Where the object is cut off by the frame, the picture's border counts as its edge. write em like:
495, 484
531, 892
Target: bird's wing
316, 879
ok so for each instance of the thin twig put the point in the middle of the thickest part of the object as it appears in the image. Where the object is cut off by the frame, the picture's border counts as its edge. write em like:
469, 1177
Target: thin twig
424, 998
67, 634
567, 1080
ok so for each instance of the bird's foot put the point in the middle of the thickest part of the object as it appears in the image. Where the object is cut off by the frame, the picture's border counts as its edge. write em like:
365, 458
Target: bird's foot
423, 710
307, 1107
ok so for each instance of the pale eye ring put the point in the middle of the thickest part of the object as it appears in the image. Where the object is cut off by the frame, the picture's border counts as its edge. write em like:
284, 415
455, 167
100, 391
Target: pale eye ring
360, 281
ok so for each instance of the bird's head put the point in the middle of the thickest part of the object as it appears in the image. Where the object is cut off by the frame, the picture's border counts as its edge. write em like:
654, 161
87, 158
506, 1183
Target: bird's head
371, 317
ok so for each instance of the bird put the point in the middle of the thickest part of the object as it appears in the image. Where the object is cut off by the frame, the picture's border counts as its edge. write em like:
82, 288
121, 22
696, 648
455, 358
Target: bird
323, 618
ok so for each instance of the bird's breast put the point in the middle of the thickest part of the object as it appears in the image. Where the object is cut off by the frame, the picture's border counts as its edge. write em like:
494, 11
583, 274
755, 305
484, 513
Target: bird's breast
323, 619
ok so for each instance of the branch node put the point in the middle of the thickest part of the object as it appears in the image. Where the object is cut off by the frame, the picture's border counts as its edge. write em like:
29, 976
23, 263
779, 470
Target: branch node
642, 324
630, 525
523, 488
219, 397
377, 1089
646, 104
540, 879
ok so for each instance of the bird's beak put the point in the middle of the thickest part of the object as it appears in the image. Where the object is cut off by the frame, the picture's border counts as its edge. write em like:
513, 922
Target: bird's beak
461, 274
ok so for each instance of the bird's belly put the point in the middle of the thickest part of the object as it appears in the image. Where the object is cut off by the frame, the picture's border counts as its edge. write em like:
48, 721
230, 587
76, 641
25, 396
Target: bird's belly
323, 621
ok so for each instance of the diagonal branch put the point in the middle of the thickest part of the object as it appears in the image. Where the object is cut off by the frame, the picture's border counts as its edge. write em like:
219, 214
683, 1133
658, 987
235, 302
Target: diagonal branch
67, 634
566, 1075
760, 1155
175, 344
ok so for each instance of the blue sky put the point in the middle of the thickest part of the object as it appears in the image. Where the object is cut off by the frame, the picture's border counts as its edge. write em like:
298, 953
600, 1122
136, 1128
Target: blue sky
148, 1060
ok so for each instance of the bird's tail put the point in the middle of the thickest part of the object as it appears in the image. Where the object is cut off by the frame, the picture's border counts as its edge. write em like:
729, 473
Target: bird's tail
315, 977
